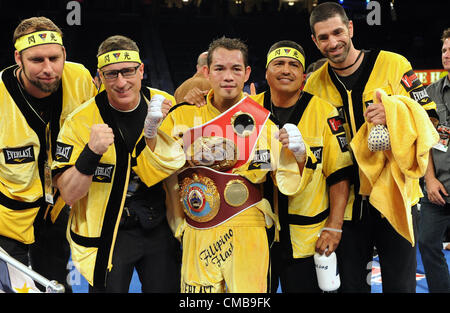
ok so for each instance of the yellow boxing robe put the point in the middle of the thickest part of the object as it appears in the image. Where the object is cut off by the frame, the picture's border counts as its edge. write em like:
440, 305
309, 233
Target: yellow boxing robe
23, 148
94, 219
388, 71
234, 254
304, 214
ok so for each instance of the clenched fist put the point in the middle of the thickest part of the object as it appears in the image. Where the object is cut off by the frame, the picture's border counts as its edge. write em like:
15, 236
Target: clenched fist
157, 111
292, 139
101, 138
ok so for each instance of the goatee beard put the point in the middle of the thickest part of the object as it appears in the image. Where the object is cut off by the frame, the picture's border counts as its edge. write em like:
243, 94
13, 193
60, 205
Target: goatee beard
47, 88
51, 88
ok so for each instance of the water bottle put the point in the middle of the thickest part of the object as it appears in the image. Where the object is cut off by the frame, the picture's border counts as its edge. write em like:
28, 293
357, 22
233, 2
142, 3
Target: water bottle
327, 272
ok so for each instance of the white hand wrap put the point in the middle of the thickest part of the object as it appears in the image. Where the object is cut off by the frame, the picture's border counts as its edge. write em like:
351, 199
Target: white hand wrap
296, 144
378, 139
154, 116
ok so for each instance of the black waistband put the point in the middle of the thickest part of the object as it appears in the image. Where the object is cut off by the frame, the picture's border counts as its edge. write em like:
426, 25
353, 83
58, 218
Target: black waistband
307, 220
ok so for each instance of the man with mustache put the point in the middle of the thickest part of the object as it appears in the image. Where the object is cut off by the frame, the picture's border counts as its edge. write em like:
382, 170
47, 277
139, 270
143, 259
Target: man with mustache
311, 220
348, 81
37, 94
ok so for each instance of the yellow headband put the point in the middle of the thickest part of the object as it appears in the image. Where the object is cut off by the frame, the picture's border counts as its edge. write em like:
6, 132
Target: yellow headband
286, 52
38, 38
118, 56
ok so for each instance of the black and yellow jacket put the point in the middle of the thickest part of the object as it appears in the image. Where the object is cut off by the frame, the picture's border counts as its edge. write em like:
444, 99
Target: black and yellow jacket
24, 148
303, 214
388, 71
94, 219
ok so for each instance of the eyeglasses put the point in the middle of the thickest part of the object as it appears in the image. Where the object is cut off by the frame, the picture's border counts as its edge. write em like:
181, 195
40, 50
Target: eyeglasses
126, 72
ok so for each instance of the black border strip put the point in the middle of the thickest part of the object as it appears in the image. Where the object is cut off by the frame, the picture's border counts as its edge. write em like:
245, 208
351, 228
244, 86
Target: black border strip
294, 219
341, 174
104, 243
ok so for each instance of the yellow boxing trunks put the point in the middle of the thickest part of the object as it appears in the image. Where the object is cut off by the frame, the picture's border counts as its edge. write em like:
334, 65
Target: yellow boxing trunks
219, 259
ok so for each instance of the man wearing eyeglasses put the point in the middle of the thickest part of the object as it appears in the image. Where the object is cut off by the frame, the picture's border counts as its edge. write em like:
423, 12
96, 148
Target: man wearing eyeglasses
110, 163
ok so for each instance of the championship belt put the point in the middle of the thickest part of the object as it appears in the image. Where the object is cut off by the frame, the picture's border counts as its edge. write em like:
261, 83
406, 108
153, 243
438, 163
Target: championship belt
228, 140
210, 198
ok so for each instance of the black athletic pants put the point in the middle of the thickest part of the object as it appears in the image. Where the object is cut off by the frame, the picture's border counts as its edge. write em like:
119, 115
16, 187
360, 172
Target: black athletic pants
50, 252
355, 254
294, 275
154, 253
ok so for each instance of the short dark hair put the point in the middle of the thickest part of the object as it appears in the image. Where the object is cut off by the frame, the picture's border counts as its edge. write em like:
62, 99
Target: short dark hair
325, 11
229, 44
287, 43
445, 34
